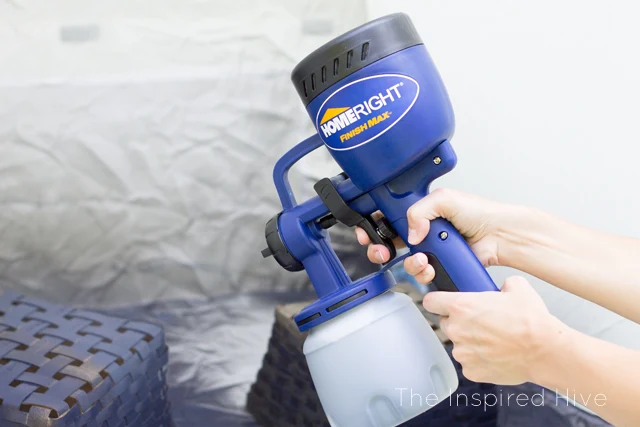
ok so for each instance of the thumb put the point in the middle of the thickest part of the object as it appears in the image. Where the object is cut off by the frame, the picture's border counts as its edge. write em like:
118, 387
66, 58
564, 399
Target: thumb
522, 291
438, 204
517, 284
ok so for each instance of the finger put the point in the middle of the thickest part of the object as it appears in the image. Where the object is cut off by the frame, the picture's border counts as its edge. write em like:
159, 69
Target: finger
378, 254
459, 353
473, 374
450, 329
517, 284
362, 236
440, 203
415, 264
486, 252
444, 325
440, 302
363, 239
426, 276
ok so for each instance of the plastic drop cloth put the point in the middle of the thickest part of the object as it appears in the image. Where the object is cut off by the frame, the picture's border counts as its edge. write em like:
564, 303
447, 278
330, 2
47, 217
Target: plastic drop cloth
137, 142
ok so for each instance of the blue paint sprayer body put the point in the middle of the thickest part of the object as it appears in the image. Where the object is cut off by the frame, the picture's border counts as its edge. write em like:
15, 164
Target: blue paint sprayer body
387, 121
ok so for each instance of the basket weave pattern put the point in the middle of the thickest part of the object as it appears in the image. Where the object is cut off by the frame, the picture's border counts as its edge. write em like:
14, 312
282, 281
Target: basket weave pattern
61, 366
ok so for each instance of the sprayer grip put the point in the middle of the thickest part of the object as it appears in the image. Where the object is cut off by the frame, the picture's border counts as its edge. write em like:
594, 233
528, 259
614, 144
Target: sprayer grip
456, 266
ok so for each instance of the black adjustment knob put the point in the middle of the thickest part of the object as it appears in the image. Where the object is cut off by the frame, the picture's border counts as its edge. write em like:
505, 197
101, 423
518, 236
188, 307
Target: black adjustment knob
385, 229
277, 248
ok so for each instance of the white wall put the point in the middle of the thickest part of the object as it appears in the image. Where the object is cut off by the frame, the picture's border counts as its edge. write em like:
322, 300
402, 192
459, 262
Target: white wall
546, 100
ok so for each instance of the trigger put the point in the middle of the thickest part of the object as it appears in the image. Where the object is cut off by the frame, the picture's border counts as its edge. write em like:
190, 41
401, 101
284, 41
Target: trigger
380, 231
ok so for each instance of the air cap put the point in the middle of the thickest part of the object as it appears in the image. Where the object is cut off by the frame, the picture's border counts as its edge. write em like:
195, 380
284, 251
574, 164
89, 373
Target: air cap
352, 51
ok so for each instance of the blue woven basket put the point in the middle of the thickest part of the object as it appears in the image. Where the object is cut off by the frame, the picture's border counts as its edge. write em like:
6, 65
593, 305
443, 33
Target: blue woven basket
61, 366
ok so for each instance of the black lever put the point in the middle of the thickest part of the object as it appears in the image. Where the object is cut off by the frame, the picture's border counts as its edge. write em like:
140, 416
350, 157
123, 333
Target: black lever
380, 231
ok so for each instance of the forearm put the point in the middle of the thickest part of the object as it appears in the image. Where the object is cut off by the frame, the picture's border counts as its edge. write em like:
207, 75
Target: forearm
599, 267
596, 374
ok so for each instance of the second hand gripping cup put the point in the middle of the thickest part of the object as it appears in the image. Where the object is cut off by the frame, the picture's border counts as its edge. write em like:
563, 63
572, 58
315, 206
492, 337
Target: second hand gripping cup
381, 109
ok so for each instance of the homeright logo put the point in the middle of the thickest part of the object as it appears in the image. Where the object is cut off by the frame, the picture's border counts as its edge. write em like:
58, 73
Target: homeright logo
364, 109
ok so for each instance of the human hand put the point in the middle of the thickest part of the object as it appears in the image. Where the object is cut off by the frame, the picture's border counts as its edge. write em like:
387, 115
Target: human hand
481, 222
498, 337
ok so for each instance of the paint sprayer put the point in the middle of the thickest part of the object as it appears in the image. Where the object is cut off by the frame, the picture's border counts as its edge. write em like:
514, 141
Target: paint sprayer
381, 109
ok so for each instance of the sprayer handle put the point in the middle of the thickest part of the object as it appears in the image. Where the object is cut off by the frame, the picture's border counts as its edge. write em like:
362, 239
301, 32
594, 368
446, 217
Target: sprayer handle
456, 266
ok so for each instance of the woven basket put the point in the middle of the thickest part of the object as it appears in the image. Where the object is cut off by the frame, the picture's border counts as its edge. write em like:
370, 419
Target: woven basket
61, 366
